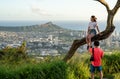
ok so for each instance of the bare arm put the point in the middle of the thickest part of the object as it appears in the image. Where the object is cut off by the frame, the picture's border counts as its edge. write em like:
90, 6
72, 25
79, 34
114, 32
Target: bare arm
98, 29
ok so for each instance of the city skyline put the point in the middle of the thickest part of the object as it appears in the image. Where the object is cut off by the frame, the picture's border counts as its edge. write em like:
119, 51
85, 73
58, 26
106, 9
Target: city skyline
53, 10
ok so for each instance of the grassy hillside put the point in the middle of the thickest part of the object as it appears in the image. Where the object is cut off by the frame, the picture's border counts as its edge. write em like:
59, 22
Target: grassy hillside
54, 68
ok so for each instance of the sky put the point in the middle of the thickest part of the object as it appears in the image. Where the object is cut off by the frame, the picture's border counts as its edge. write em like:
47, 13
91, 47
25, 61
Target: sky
34, 10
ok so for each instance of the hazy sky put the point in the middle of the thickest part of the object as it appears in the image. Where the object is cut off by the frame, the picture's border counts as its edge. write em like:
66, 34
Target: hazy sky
53, 10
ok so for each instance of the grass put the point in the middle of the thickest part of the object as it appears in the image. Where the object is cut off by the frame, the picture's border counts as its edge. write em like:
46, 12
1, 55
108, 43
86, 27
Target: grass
54, 68
110, 63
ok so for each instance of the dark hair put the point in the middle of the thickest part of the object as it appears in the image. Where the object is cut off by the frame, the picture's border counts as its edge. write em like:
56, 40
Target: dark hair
94, 18
96, 43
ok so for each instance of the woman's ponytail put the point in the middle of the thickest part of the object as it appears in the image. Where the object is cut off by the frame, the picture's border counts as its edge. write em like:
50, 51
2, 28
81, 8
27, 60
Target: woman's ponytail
94, 18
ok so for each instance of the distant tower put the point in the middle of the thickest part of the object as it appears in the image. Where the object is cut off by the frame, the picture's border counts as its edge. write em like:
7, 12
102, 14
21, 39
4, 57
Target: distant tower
71, 33
108, 41
115, 33
56, 41
50, 37
119, 36
116, 44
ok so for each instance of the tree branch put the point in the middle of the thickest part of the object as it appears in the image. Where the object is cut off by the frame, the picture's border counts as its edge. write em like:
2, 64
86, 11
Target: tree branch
105, 4
105, 34
78, 43
117, 6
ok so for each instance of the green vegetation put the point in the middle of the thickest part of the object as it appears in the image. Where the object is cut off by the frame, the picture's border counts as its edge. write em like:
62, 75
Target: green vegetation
54, 70
9, 54
111, 63
79, 66
15, 64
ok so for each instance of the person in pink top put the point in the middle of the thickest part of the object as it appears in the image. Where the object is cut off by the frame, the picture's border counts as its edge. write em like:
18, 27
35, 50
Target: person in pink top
97, 62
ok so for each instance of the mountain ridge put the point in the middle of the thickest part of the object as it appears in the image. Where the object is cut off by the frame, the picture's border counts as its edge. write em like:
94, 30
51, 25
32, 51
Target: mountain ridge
49, 26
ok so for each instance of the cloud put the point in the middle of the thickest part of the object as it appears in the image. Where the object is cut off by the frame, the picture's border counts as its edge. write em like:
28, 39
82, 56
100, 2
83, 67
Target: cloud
39, 11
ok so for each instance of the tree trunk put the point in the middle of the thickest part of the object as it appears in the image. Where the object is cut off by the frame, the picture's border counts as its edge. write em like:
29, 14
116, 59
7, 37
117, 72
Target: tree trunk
104, 34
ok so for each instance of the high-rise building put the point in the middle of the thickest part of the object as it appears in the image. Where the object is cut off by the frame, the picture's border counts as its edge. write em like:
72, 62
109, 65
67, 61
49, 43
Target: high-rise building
56, 41
116, 44
50, 37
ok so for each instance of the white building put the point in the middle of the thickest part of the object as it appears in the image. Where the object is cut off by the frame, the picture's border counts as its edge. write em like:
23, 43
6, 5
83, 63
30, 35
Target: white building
56, 40
50, 37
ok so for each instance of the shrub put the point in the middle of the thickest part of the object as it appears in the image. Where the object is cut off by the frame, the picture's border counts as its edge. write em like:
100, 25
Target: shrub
53, 70
78, 69
111, 63
13, 54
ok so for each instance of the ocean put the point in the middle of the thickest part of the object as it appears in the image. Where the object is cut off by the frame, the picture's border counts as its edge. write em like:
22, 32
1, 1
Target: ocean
73, 25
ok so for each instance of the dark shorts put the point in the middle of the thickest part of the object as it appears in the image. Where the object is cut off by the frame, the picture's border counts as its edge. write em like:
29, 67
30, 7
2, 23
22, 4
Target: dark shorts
93, 68
93, 31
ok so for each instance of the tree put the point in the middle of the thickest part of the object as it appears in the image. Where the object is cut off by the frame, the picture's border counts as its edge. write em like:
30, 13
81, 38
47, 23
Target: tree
104, 34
